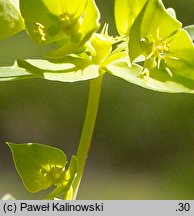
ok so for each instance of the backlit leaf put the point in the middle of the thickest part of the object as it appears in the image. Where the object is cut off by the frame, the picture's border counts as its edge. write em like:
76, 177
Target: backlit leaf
39, 166
126, 12
72, 71
157, 80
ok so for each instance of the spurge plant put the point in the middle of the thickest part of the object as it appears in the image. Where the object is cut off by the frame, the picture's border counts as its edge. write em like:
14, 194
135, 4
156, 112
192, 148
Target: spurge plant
151, 50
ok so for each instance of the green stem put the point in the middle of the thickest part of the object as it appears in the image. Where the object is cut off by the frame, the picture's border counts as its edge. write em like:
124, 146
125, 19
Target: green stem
88, 128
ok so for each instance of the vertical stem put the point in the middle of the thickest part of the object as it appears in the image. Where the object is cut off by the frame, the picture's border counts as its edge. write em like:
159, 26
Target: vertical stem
88, 128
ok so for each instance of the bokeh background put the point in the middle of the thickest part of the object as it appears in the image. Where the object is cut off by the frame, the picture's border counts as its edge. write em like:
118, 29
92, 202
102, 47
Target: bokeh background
143, 144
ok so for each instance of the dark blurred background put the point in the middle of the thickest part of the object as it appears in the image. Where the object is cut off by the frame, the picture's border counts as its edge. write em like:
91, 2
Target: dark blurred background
143, 144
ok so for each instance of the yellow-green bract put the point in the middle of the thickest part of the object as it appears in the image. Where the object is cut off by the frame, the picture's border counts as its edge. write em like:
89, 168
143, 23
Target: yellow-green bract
41, 166
160, 52
159, 38
70, 23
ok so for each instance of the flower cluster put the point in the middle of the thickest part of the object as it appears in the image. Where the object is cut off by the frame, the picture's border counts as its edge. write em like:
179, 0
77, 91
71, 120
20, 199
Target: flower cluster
152, 50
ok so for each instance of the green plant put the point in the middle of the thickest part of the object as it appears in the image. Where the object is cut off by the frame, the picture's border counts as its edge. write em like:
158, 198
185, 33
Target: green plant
152, 50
